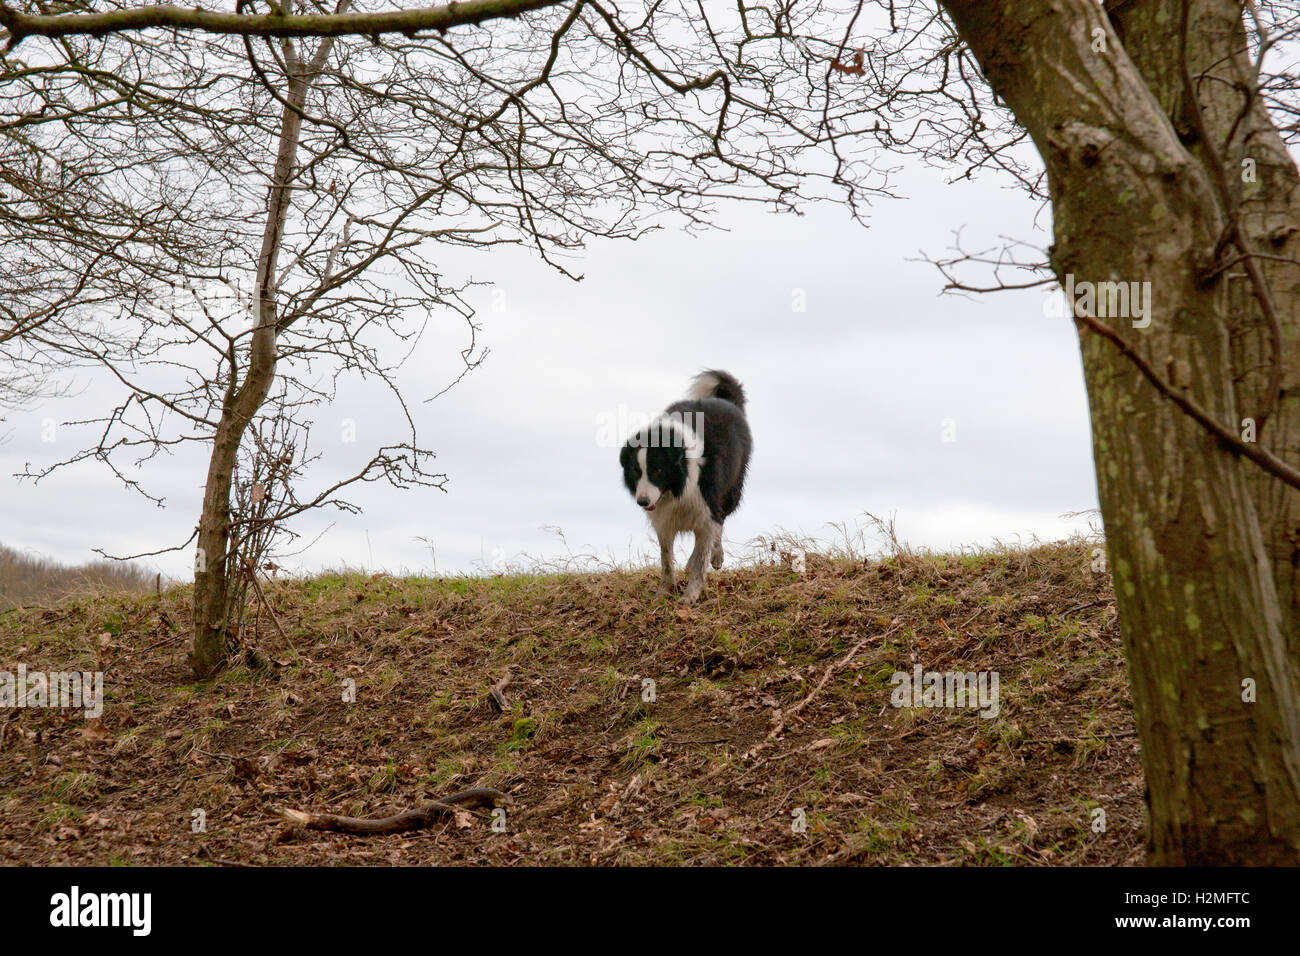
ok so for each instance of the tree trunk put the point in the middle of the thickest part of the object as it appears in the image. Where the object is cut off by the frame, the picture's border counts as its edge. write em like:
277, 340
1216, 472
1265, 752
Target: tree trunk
1202, 544
1270, 213
209, 640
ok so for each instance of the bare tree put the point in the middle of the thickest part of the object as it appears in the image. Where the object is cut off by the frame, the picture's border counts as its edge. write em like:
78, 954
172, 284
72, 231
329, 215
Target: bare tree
316, 181
128, 283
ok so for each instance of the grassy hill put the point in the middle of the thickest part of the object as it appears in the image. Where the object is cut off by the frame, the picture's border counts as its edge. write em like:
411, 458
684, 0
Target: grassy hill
769, 698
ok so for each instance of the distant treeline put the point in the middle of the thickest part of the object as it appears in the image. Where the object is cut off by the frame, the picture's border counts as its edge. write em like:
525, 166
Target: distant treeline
25, 579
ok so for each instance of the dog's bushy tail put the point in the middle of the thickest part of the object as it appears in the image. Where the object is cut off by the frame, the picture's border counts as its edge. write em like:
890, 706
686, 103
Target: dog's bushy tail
716, 383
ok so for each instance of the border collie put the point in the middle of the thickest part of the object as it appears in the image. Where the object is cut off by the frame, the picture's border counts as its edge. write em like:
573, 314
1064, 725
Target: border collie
687, 468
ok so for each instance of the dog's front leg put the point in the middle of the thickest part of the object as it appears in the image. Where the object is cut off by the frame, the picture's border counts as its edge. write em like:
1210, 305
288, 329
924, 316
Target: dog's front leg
696, 564
666, 563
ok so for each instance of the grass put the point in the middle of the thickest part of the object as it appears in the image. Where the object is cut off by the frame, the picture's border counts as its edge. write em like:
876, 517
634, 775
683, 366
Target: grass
601, 770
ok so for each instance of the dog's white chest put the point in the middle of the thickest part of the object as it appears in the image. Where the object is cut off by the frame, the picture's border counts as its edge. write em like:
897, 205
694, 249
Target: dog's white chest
679, 515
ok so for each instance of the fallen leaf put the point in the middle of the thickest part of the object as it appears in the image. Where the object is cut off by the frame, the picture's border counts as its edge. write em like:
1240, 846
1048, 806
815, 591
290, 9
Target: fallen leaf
95, 732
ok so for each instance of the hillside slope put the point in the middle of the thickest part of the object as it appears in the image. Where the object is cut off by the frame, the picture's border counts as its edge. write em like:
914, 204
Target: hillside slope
771, 737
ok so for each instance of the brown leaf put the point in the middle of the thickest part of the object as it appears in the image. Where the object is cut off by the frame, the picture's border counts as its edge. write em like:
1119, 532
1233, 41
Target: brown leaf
95, 732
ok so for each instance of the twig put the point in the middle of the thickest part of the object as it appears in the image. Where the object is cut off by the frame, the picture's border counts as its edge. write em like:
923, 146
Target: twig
415, 819
830, 671
496, 696
1266, 460
257, 588
169, 639
1083, 607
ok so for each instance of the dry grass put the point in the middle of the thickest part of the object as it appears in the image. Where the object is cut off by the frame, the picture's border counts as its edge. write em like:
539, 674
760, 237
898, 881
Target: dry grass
598, 774
25, 579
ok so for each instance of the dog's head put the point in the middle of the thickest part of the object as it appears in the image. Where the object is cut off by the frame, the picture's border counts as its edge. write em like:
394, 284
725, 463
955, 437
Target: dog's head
653, 469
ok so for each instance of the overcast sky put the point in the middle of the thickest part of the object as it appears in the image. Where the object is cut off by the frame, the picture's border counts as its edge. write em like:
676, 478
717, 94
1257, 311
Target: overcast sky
849, 401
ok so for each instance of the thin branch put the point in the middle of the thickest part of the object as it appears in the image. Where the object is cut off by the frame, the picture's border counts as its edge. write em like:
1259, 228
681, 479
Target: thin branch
165, 16
1264, 459
415, 819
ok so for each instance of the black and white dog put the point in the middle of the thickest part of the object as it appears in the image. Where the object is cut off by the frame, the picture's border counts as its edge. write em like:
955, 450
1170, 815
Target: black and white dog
687, 470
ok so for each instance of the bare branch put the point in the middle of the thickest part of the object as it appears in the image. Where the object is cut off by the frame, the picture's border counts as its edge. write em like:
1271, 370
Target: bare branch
165, 16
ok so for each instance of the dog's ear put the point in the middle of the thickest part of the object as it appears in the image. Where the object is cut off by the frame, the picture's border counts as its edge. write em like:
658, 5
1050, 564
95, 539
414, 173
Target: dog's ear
626, 456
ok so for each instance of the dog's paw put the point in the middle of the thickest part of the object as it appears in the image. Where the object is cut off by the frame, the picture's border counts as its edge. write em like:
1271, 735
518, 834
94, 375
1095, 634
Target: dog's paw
716, 560
692, 594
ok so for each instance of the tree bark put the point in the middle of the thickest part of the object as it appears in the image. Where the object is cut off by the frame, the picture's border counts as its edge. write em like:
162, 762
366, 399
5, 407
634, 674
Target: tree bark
1240, 130
1202, 544
210, 637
